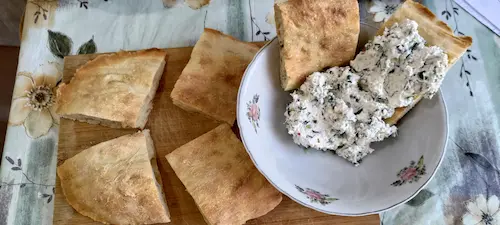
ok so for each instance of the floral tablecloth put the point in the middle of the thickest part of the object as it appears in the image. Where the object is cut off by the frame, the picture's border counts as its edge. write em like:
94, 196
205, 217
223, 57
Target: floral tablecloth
464, 190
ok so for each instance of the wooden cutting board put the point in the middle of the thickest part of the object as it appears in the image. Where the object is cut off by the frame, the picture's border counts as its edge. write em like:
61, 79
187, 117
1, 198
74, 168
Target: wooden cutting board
170, 128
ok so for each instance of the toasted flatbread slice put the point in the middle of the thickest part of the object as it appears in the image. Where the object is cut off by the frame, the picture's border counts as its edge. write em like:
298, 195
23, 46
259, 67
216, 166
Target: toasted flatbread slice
209, 82
220, 176
114, 182
114, 90
435, 32
196, 4
314, 35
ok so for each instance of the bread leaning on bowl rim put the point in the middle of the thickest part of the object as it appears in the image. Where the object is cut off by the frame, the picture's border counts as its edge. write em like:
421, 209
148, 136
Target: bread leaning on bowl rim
435, 32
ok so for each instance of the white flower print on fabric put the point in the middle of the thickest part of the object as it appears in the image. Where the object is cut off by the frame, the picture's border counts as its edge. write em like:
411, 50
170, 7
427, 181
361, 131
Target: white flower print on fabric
33, 101
383, 9
482, 212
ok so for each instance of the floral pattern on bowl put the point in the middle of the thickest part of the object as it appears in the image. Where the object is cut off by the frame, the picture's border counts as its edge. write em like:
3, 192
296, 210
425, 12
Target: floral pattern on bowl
315, 196
254, 112
412, 173
285, 165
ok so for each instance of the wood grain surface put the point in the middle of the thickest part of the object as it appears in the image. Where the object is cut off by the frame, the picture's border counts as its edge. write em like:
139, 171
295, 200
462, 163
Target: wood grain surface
170, 128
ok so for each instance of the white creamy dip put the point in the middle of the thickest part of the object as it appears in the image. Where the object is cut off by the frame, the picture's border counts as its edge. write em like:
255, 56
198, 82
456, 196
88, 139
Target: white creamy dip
343, 109
397, 66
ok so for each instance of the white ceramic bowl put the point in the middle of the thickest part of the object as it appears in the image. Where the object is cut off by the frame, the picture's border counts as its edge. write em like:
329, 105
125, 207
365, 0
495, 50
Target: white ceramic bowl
398, 169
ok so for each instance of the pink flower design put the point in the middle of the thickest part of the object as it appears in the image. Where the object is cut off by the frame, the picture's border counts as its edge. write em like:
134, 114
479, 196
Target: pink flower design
312, 194
253, 112
411, 173
315, 196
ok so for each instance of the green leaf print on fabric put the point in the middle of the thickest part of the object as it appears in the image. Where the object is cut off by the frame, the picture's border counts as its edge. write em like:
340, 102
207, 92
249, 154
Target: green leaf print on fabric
421, 198
59, 44
88, 47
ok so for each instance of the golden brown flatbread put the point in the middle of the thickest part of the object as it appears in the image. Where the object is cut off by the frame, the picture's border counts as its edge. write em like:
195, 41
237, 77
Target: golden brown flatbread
113, 182
314, 35
209, 82
222, 179
114, 90
434, 31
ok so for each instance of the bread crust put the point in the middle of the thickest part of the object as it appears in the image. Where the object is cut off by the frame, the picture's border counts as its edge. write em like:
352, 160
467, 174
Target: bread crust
113, 89
221, 178
209, 83
315, 35
113, 182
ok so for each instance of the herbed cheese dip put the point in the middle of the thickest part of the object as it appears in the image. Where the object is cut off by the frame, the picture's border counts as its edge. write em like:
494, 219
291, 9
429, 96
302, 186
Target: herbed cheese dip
343, 109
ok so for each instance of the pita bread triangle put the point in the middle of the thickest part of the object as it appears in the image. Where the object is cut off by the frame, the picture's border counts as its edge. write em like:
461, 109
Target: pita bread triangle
209, 83
114, 182
220, 176
114, 90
